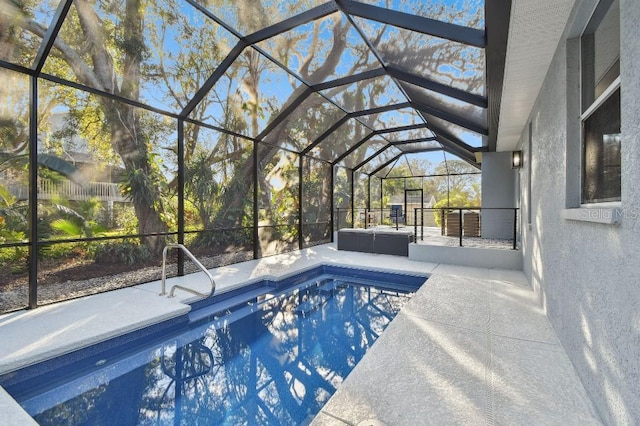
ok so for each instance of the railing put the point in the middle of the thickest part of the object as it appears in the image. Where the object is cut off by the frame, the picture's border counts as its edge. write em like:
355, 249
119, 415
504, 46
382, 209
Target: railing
196, 262
453, 222
368, 217
48, 189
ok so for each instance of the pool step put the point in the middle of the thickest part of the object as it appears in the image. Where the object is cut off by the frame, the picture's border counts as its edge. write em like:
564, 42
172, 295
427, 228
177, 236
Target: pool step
208, 311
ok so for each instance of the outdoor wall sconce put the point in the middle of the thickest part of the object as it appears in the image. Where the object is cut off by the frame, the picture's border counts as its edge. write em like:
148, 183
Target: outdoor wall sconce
516, 159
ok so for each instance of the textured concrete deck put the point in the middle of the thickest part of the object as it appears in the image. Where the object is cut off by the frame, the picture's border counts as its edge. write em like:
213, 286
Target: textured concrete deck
471, 347
430, 235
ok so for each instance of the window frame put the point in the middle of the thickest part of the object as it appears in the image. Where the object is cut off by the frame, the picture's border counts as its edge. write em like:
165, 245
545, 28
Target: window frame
586, 113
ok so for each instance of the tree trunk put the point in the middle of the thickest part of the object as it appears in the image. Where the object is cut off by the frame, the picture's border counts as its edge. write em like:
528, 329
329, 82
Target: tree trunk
129, 142
127, 136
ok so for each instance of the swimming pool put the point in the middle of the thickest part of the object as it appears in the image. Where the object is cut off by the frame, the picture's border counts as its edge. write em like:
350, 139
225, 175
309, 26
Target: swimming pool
269, 353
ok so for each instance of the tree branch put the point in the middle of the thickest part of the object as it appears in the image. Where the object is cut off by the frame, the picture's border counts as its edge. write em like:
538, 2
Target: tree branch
93, 32
82, 71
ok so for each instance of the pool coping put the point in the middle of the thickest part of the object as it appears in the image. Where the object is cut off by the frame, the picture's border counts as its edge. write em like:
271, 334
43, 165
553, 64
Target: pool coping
50, 324
33, 336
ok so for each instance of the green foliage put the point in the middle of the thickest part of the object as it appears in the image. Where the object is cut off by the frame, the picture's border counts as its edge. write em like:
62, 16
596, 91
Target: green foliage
14, 224
224, 240
67, 227
79, 251
126, 252
78, 222
154, 53
280, 193
457, 198
125, 218
14, 259
201, 187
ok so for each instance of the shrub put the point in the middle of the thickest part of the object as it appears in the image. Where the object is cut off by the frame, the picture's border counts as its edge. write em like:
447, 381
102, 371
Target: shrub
125, 252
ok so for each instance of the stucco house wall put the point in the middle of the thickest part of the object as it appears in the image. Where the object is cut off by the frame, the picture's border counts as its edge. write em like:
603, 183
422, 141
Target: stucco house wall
586, 274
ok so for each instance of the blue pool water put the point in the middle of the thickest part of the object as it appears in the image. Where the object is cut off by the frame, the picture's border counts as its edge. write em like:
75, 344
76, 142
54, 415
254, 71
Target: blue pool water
272, 353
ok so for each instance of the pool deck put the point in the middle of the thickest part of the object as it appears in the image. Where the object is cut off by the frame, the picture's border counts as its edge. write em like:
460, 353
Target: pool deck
473, 346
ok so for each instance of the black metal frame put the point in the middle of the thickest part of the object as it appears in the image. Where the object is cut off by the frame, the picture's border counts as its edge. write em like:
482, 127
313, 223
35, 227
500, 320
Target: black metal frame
433, 175
372, 156
435, 86
181, 183
497, 17
386, 163
419, 140
494, 41
349, 116
213, 79
406, 210
33, 193
300, 200
419, 217
290, 23
452, 118
419, 24
381, 132
50, 37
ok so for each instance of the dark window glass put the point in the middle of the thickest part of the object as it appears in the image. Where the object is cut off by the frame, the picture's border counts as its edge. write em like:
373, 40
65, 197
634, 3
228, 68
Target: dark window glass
601, 128
600, 52
601, 155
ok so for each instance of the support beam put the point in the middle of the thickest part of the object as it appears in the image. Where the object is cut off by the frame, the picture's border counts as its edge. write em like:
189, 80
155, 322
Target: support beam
386, 164
400, 129
213, 79
420, 150
291, 23
197, 4
285, 113
436, 175
353, 148
391, 168
442, 132
300, 201
181, 182
372, 156
452, 118
352, 195
217, 129
383, 132
410, 141
378, 72
50, 37
332, 202
104, 94
33, 193
349, 116
15, 67
325, 135
381, 206
413, 151
420, 24
256, 210
454, 149
497, 17
443, 89
380, 110
368, 195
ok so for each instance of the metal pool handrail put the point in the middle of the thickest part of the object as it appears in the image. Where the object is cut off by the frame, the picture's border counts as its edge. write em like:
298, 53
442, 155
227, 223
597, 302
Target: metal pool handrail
194, 260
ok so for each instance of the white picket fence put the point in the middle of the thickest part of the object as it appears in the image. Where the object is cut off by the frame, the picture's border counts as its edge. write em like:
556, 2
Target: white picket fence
48, 189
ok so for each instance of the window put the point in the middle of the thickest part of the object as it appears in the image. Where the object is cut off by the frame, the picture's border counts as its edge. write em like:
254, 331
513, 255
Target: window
600, 67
